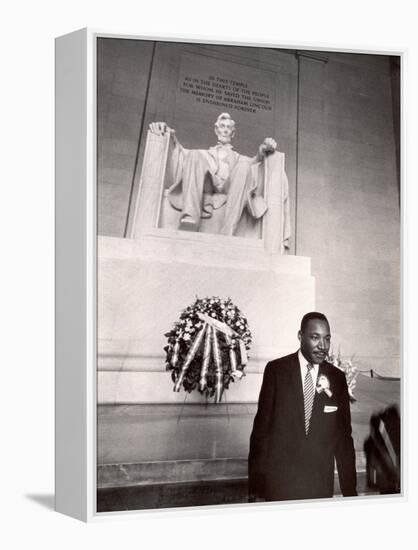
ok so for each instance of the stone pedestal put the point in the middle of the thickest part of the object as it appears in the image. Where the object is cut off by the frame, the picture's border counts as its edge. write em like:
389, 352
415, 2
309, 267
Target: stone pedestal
144, 284
146, 281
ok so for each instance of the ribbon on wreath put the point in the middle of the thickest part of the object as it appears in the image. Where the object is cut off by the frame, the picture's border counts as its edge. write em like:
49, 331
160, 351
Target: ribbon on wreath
211, 347
229, 333
206, 358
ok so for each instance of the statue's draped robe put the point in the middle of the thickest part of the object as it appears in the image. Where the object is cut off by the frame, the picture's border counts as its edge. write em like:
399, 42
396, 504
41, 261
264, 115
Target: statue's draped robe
207, 180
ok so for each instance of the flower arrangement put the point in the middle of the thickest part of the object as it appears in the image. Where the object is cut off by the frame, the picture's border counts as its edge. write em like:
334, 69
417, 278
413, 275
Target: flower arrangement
323, 385
348, 368
207, 347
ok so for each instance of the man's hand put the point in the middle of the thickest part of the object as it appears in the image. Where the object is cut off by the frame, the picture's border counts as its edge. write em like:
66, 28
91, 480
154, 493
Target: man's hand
160, 128
268, 146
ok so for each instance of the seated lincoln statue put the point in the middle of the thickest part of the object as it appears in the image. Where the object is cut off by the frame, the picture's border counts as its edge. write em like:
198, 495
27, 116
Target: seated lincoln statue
207, 180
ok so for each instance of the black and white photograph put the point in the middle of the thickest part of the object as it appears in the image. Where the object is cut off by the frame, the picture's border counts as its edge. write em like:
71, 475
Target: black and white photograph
209, 275
248, 274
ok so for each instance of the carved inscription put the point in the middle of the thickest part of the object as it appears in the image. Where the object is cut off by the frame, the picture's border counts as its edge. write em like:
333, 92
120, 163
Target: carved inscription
225, 92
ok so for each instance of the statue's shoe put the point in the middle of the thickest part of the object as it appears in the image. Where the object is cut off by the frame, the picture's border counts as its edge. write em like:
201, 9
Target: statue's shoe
187, 223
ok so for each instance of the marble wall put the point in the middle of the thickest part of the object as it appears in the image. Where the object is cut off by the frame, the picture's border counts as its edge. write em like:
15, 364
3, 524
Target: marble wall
348, 218
123, 68
333, 119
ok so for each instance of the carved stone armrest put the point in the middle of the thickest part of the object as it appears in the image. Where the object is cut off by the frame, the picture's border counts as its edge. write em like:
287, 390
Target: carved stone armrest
151, 183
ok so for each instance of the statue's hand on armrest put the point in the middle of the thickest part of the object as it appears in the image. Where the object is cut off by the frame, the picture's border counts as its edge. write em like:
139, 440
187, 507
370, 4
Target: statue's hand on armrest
268, 146
160, 128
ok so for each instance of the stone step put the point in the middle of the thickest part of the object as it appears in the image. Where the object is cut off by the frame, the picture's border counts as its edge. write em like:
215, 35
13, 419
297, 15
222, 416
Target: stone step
170, 471
185, 494
177, 471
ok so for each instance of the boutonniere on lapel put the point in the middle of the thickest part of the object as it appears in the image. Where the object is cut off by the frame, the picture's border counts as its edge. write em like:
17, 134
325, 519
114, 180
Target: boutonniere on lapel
323, 385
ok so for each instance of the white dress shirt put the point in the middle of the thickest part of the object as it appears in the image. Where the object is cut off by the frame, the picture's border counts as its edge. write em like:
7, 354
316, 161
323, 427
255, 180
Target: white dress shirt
304, 369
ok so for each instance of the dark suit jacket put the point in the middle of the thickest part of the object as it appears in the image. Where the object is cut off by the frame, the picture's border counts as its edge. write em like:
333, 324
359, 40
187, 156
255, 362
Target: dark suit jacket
284, 462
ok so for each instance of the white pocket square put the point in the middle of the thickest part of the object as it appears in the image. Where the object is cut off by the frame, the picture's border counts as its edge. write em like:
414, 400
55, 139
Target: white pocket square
330, 409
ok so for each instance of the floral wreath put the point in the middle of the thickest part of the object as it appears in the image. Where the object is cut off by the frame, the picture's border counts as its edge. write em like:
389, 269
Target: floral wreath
207, 347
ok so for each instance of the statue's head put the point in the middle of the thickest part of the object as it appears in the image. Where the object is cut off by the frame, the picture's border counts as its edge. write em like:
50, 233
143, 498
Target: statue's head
224, 128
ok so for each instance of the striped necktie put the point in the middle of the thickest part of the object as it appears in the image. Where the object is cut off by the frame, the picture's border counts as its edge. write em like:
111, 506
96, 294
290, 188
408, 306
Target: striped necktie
308, 396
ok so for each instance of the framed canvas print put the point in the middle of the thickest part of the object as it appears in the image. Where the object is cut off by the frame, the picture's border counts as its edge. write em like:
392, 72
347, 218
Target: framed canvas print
228, 274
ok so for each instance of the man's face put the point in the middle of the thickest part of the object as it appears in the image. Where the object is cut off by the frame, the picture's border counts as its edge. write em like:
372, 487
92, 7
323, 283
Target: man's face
315, 341
225, 130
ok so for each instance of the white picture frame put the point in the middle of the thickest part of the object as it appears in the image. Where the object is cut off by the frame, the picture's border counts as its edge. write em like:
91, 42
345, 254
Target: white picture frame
76, 272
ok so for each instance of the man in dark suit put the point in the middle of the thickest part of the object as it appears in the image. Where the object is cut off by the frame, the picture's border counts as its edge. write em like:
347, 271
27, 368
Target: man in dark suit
302, 424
